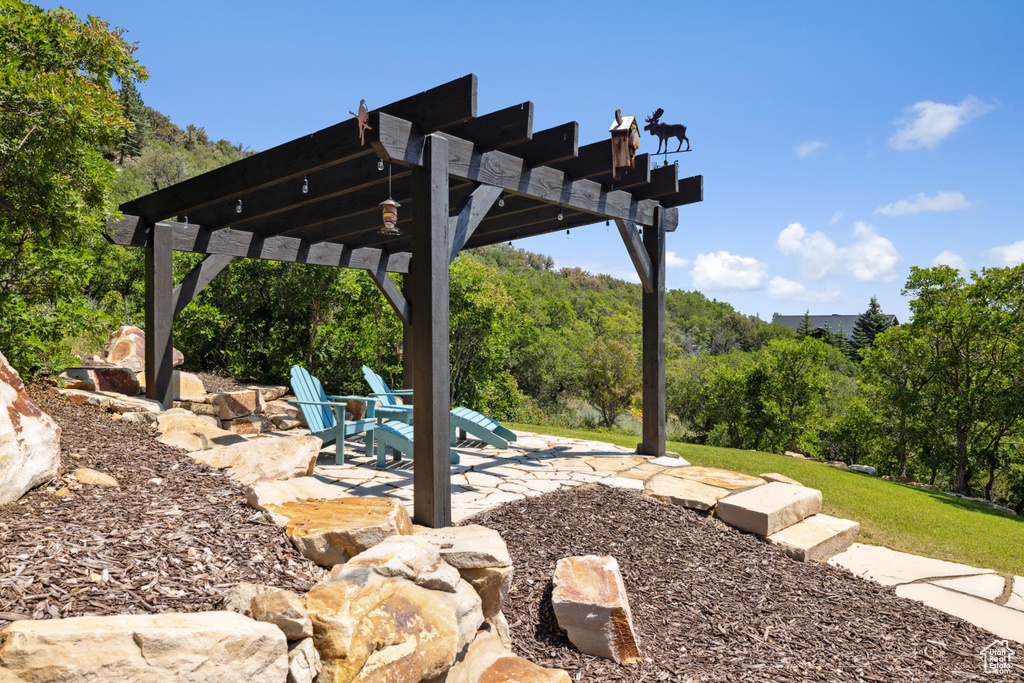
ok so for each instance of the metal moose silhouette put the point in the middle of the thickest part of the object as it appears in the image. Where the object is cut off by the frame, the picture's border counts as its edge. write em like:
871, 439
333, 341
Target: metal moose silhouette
665, 131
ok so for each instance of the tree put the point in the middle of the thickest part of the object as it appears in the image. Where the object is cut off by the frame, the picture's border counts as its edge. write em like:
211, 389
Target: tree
612, 379
869, 325
806, 326
135, 111
973, 333
58, 111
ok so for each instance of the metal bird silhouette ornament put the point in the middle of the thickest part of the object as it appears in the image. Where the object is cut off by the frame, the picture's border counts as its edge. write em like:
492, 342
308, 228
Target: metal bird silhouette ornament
363, 116
665, 131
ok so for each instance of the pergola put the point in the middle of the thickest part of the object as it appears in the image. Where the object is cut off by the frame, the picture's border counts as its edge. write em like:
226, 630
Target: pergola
316, 200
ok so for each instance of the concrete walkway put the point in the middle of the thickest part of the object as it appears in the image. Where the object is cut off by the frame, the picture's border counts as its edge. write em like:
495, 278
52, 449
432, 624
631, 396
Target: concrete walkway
535, 464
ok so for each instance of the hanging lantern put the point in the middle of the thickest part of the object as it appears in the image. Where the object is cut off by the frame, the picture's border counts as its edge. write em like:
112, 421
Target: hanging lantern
390, 209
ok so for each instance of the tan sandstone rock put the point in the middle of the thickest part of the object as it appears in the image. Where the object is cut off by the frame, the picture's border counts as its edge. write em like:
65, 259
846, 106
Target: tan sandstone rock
267, 493
590, 604
185, 386
270, 392
771, 477
29, 439
127, 346
303, 661
238, 403
198, 408
684, 492
331, 532
284, 423
816, 538
248, 425
283, 609
110, 401
769, 508
192, 432
613, 463
239, 598
264, 459
85, 475
395, 615
482, 558
487, 660
207, 647
103, 378
283, 408
713, 476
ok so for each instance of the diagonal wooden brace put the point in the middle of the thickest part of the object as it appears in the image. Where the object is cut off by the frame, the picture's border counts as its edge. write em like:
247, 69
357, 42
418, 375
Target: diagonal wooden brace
637, 252
468, 215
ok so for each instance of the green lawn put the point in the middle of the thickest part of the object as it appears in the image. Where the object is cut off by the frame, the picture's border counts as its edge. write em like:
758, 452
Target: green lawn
891, 514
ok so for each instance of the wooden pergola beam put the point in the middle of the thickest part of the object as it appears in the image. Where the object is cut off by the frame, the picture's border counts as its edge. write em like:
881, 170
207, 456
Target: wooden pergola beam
691, 190
393, 295
468, 215
549, 145
664, 181
437, 108
132, 232
653, 342
197, 279
498, 129
591, 161
638, 254
397, 141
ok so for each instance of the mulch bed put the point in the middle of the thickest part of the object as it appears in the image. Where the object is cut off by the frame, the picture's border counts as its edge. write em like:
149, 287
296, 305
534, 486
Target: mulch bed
151, 546
711, 603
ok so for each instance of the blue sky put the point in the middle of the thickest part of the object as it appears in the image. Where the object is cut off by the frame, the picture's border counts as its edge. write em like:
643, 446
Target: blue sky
840, 143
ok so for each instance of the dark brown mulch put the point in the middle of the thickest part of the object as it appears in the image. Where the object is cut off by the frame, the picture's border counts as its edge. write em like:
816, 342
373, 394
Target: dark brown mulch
711, 603
177, 545
221, 384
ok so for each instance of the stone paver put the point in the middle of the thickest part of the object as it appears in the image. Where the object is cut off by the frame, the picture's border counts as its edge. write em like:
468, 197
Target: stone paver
1003, 622
816, 538
685, 492
985, 586
891, 567
770, 508
712, 476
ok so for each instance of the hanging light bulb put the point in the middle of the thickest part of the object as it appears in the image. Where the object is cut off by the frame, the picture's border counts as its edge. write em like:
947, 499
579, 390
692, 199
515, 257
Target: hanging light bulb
566, 234
560, 216
238, 209
186, 222
305, 185
501, 199
380, 164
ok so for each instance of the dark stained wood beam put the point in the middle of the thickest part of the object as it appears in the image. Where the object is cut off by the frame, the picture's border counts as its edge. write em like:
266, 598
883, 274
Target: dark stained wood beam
397, 141
539, 226
197, 279
591, 161
628, 178
499, 129
132, 232
160, 316
445, 105
394, 296
637, 254
664, 181
691, 190
432, 489
653, 341
468, 215
549, 145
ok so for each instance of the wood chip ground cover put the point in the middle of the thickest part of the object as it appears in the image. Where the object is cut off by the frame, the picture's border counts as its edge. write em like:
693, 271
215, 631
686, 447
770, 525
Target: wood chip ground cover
711, 603
176, 545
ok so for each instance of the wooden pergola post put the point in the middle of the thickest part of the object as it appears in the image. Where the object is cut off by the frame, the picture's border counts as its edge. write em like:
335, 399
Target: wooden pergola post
428, 291
653, 304
159, 316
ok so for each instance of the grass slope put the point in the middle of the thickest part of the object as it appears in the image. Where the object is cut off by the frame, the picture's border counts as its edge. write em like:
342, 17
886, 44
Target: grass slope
891, 514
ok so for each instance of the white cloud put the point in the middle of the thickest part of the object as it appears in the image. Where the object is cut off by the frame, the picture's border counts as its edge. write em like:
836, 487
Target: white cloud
722, 270
943, 201
809, 148
673, 261
872, 258
1008, 255
836, 217
869, 258
928, 123
790, 290
948, 258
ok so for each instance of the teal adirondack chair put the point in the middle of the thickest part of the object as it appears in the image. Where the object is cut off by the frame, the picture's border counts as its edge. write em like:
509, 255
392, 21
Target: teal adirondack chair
464, 420
325, 415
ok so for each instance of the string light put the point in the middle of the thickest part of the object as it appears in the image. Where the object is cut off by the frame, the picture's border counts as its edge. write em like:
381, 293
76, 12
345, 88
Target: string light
380, 164
560, 216
501, 199
305, 185
238, 209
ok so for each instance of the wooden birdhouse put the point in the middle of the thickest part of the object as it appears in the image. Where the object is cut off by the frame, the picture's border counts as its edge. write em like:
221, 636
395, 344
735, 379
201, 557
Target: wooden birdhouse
625, 141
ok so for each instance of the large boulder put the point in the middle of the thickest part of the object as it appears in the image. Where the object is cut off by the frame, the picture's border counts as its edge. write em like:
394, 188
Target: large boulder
684, 492
192, 432
283, 609
331, 532
396, 613
185, 386
590, 604
487, 660
29, 439
127, 346
267, 493
207, 647
264, 459
303, 661
248, 425
482, 558
234, 404
103, 378
110, 401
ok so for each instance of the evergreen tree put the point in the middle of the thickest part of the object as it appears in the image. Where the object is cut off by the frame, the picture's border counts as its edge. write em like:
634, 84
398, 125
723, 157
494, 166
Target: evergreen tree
806, 326
135, 111
869, 325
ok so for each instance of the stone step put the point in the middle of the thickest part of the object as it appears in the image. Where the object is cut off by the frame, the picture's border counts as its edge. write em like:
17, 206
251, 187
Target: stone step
770, 508
685, 492
816, 538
